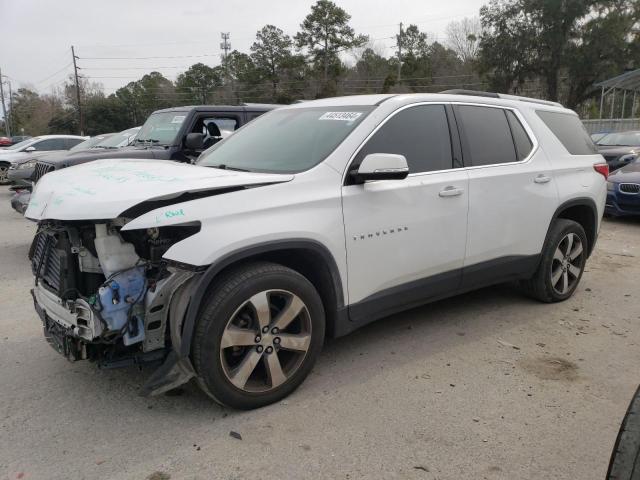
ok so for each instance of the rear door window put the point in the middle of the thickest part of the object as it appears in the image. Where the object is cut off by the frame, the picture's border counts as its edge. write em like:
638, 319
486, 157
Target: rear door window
486, 134
569, 130
420, 133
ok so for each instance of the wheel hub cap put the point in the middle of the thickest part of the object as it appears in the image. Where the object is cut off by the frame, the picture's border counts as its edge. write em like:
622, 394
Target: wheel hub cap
265, 341
567, 263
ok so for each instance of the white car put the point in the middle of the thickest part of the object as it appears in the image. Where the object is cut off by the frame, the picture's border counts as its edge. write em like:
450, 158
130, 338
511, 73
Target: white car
31, 148
310, 221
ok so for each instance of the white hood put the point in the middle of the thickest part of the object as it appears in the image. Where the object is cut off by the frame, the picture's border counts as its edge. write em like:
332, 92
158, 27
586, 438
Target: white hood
104, 189
12, 156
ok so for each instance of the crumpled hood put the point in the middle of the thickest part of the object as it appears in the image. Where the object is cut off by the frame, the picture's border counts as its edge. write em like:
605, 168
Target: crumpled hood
104, 189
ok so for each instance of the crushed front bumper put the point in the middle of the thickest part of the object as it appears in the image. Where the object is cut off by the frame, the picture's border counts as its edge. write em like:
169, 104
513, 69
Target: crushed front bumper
74, 329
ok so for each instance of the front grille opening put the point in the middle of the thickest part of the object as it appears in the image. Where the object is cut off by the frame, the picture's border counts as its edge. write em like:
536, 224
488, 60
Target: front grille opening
40, 170
632, 188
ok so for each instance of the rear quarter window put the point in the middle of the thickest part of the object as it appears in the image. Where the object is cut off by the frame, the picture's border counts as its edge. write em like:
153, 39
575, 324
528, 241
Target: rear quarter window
569, 130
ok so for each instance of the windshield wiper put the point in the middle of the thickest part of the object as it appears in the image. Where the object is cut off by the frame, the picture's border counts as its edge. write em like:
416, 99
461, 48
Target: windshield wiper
222, 166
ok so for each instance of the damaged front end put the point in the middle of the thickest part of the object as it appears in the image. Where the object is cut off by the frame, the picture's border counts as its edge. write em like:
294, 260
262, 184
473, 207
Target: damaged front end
107, 295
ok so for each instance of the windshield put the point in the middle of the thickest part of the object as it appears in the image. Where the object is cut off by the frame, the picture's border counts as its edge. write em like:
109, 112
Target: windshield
285, 141
161, 128
89, 143
22, 144
624, 139
119, 140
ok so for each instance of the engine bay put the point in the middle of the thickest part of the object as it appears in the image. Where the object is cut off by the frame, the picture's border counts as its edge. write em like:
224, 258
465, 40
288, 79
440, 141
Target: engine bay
103, 294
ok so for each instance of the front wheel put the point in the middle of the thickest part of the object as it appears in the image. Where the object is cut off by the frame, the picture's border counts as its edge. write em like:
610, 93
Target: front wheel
564, 257
625, 458
258, 336
4, 174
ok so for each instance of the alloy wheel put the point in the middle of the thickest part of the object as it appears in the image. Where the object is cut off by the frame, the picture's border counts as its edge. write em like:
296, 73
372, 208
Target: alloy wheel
567, 264
4, 174
265, 341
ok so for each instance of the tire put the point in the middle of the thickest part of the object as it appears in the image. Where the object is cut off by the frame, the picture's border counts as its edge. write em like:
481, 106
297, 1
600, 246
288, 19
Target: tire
241, 361
546, 285
625, 458
4, 170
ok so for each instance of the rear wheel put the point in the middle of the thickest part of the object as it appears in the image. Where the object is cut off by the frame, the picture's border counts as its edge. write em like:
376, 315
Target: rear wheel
4, 174
563, 260
258, 336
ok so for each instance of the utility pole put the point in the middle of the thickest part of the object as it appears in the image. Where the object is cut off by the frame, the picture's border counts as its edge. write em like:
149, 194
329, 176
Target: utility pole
4, 110
399, 52
225, 46
10, 106
75, 73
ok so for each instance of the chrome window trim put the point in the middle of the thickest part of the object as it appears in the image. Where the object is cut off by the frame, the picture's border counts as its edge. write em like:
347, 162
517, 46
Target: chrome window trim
519, 116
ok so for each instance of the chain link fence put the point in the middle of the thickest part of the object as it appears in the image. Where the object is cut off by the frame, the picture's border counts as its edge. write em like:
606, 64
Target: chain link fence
611, 125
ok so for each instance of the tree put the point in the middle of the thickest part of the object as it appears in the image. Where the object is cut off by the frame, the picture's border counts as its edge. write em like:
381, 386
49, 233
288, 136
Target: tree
607, 47
414, 43
372, 73
271, 55
463, 37
505, 46
142, 97
197, 83
325, 32
242, 75
32, 112
548, 39
416, 64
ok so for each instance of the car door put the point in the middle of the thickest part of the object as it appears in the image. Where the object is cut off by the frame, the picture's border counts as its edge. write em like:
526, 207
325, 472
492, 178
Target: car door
405, 239
512, 194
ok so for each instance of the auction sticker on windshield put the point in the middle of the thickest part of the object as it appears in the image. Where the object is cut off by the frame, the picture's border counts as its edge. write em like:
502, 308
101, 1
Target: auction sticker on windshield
345, 116
178, 119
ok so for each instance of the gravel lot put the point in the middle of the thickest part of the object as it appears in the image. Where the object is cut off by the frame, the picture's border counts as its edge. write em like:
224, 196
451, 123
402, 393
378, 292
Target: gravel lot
486, 385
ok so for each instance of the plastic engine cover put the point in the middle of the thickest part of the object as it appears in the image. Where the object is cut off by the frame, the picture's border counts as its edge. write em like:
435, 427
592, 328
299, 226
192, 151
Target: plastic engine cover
123, 293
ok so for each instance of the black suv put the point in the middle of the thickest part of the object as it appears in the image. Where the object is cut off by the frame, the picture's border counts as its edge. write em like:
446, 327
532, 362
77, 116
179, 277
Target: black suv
178, 133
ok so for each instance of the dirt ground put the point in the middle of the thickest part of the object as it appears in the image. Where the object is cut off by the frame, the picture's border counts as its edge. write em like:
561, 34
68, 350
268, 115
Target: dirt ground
489, 385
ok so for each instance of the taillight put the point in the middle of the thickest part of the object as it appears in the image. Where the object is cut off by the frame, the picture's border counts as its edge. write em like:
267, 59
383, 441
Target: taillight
602, 169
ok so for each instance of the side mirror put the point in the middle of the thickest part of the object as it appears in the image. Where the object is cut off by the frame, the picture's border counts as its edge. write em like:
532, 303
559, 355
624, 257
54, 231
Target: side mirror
381, 166
30, 149
194, 141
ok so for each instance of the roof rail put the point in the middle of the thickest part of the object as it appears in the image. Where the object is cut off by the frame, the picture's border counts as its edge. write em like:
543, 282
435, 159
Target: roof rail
478, 93
531, 100
475, 93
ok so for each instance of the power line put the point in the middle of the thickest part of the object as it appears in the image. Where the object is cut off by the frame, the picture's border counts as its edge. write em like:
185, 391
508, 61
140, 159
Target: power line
54, 74
135, 68
150, 58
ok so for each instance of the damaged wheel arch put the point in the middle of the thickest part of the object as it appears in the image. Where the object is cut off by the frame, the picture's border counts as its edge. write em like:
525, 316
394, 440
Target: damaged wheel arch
301, 255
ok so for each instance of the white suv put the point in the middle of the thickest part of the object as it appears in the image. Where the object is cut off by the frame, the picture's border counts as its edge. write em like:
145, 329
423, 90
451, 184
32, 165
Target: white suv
310, 221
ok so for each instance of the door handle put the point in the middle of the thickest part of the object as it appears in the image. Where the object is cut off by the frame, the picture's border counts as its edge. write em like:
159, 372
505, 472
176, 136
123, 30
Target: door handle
451, 191
542, 178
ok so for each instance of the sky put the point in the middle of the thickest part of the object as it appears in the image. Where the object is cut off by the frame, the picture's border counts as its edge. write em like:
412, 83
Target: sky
112, 36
